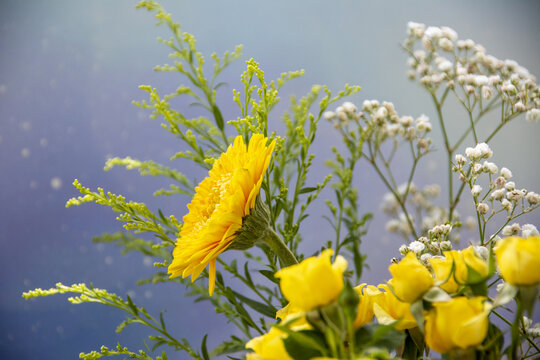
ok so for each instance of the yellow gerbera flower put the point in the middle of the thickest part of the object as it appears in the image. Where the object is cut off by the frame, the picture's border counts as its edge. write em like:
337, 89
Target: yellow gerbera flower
220, 203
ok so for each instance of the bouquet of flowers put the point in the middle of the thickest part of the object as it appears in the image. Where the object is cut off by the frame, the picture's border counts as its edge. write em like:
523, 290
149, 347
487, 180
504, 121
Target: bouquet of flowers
470, 302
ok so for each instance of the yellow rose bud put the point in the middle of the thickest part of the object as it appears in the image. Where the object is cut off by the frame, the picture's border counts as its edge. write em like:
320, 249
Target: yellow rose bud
410, 279
268, 346
476, 267
519, 260
457, 324
469, 268
442, 268
288, 313
388, 309
367, 296
314, 282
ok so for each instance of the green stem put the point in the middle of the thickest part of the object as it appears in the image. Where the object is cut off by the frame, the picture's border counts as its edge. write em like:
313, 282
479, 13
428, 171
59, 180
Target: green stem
285, 255
509, 323
515, 331
411, 174
492, 105
339, 220
350, 330
472, 126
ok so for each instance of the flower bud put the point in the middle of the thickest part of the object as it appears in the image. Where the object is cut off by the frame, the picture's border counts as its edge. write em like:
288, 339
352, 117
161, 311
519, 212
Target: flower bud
505, 173
457, 324
518, 260
482, 208
500, 182
476, 190
314, 282
410, 278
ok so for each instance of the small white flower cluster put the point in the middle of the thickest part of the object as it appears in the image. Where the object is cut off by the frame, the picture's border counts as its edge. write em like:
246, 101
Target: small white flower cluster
527, 230
438, 56
381, 121
471, 166
344, 114
432, 245
530, 329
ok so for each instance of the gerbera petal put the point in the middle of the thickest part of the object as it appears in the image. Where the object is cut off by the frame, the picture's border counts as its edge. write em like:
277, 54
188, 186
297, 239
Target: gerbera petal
211, 276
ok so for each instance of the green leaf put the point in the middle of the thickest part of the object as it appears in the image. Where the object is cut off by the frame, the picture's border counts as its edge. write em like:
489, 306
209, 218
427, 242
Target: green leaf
507, 293
418, 339
269, 275
387, 337
473, 276
233, 345
493, 344
132, 305
410, 350
162, 322
257, 306
247, 274
417, 311
528, 295
307, 190
436, 294
204, 350
376, 335
479, 289
348, 300
218, 117
304, 344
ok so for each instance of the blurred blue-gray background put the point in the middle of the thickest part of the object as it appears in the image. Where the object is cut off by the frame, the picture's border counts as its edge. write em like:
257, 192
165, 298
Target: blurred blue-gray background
68, 73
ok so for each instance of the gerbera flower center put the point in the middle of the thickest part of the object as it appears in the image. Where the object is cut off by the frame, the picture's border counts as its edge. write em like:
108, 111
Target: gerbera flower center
219, 189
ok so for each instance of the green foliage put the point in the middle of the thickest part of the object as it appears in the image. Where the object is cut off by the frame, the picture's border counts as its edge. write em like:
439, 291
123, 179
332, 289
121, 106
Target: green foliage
185, 186
288, 184
135, 215
135, 314
120, 350
379, 336
128, 242
345, 210
254, 115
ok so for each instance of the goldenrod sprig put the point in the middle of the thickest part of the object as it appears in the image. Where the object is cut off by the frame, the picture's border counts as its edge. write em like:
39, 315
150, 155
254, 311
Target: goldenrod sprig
135, 215
136, 314
129, 242
191, 63
120, 350
345, 212
254, 114
154, 169
294, 160
199, 134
